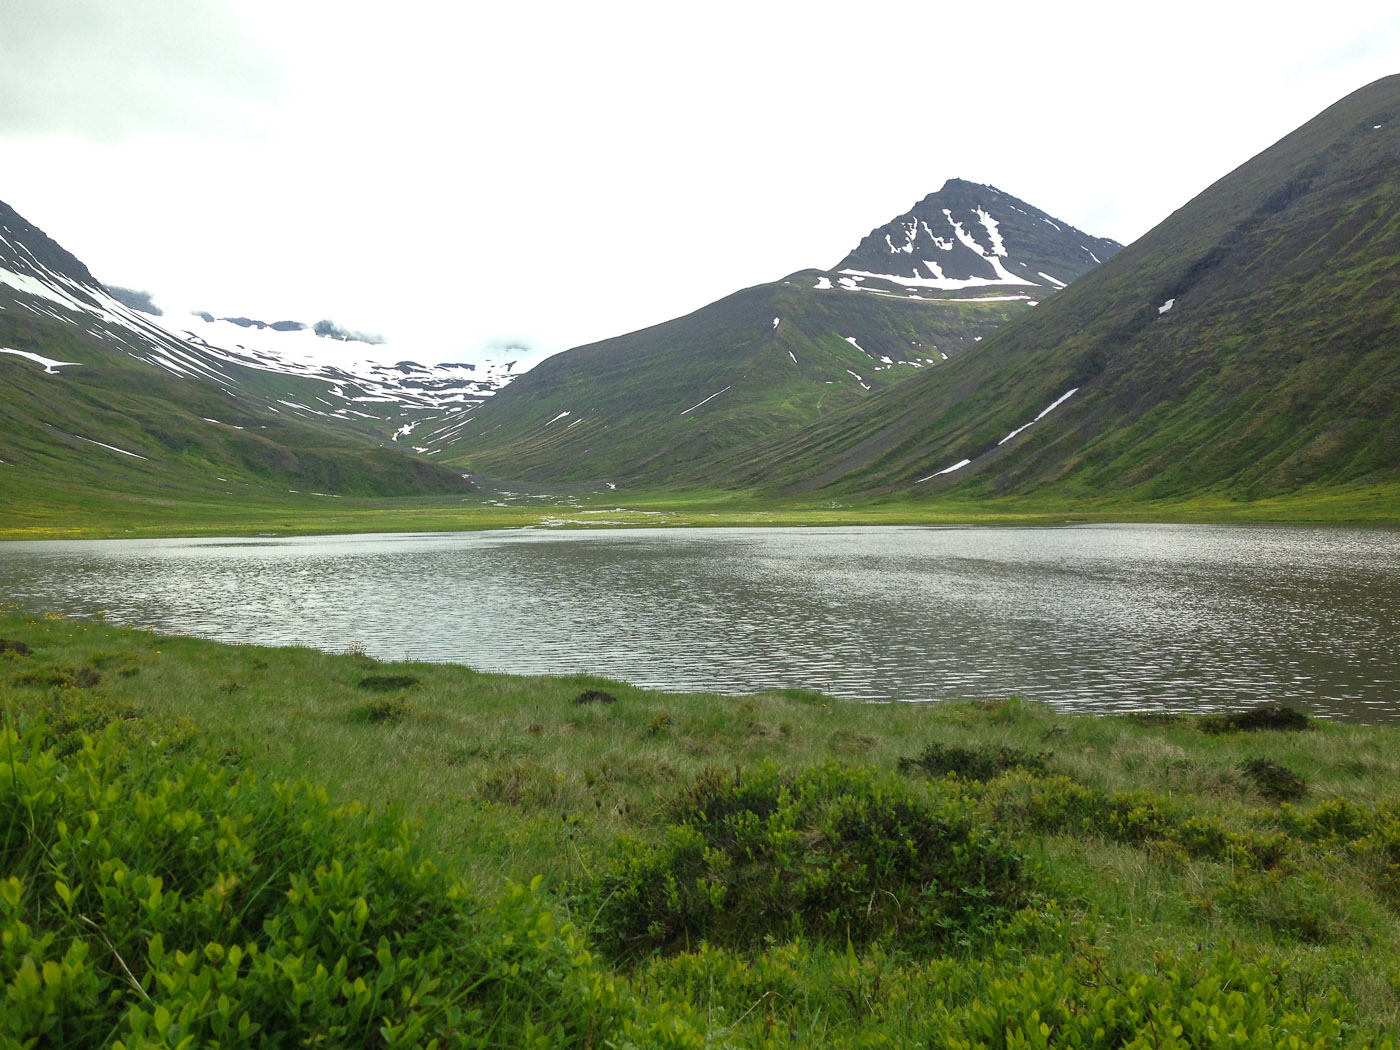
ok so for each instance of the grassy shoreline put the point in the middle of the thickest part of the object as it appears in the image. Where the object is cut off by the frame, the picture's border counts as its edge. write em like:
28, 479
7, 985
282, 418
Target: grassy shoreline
288, 514
1143, 850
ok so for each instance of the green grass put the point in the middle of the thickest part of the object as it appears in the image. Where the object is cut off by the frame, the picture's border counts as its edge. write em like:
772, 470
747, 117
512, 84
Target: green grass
1149, 855
54, 512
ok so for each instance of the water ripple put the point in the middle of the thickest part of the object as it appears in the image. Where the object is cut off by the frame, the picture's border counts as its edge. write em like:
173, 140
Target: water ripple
1107, 618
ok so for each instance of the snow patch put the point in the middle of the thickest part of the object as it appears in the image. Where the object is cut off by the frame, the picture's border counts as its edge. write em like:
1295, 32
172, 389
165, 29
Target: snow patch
852, 340
1052, 406
993, 257
51, 366
1055, 281
946, 284
1166, 306
823, 284
993, 232
1091, 254
560, 416
911, 232
113, 448
707, 400
942, 243
946, 470
777, 321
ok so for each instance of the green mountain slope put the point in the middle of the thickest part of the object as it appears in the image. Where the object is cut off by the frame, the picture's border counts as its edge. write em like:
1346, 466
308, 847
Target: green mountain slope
678, 403
656, 406
104, 428
1248, 346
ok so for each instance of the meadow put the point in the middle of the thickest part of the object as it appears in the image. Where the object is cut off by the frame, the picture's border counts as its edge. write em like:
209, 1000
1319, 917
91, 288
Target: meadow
206, 844
60, 510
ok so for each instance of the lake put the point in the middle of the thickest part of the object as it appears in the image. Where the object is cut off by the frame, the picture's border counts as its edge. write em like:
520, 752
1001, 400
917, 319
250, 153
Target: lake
1101, 618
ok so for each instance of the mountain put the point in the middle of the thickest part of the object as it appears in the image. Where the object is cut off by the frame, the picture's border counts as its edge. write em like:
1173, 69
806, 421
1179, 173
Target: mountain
666, 405
98, 400
968, 238
1248, 346
283, 366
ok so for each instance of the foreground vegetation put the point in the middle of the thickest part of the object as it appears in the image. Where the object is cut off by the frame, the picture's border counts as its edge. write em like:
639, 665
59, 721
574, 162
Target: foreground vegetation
589, 864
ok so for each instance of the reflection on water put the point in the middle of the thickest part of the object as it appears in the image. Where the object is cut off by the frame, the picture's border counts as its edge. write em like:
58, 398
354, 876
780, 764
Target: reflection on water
1100, 617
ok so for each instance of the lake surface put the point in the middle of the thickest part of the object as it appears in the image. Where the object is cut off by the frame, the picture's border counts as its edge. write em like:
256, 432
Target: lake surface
1107, 618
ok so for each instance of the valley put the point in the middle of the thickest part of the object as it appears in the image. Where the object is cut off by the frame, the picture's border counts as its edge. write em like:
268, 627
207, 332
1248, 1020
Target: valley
601, 526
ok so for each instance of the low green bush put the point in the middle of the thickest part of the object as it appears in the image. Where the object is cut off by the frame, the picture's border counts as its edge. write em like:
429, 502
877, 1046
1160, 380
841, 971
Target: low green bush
805, 995
1137, 818
971, 763
387, 683
1185, 1002
1266, 716
1275, 782
594, 696
831, 851
146, 902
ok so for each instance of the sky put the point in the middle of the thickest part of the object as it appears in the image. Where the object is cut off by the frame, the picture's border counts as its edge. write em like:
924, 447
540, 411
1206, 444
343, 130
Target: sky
499, 180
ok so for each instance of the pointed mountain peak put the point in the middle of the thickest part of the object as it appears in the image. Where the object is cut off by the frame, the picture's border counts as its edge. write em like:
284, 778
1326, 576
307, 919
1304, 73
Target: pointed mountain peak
968, 238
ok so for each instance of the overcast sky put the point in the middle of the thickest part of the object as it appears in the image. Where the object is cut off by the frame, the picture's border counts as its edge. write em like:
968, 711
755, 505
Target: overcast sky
558, 172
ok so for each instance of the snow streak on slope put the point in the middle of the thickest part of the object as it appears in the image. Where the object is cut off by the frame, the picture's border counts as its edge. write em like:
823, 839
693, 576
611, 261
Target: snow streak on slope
373, 395
51, 366
1053, 405
992, 256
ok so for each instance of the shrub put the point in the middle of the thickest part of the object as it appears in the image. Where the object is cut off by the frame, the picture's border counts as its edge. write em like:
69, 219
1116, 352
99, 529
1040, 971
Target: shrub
844, 853
1301, 906
1138, 818
594, 696
1266, 716
387, 683
148, 901
59, 678
981, 763
1185, 1001
1274, 781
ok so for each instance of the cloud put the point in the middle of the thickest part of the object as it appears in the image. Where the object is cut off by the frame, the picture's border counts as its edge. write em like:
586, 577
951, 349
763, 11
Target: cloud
114, 70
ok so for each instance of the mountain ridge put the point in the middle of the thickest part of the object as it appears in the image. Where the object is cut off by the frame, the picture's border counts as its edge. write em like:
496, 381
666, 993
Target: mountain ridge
663, 405
1246, 345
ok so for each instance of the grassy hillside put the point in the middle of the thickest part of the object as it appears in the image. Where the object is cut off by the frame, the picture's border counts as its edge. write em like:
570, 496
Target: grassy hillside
1274, 369
114, 433
659, 407
713, 871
